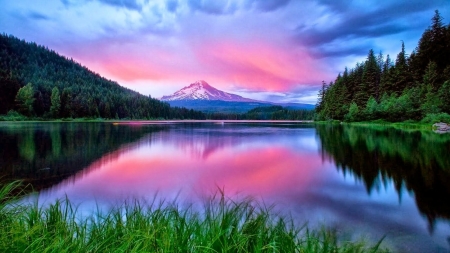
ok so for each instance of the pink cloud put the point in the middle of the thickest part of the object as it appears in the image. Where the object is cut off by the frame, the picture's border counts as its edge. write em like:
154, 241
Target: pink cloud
258, 64
251, 64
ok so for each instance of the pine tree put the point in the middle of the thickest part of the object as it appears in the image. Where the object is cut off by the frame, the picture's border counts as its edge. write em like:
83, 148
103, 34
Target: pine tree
431, 76
370, 82
432, 46
56, 103
444, 96
386, 76
321, 97
401, 76
24, 100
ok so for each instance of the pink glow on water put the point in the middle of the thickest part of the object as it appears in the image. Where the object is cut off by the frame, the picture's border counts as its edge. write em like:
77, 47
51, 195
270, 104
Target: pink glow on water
199, 170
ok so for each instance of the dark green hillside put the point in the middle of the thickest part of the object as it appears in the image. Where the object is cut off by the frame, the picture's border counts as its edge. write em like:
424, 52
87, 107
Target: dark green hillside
38, 82
411, 87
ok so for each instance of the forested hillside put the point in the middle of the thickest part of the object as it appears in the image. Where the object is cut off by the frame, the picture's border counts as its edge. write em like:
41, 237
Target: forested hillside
411, 87
38, 82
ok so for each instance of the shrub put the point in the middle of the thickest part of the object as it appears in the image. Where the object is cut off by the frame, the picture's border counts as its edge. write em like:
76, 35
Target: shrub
436, 117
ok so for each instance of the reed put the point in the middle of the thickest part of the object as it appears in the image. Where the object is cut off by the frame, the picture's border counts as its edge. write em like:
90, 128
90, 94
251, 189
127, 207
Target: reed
221, 225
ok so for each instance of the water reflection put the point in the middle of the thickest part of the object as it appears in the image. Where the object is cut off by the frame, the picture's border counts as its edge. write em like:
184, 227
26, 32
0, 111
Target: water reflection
193, 162
43, 154
416, 162
362, 181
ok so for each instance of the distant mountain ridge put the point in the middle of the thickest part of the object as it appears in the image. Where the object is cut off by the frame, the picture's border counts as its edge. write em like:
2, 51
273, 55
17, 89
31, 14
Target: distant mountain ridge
203, 97
201, 90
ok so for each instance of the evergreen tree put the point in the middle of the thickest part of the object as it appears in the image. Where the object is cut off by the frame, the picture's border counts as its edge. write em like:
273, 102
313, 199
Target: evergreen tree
386, 77
444, 96
353, 113
56, 103
24, 100
370, 82
431, 76
401, 76
321, 96
433, 46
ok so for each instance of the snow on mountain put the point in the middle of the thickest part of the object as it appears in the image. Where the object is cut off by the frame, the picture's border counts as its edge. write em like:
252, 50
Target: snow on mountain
201, 90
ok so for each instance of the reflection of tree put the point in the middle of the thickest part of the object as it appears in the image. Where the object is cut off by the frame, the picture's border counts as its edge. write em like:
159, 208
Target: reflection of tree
27, 147
417, 160
43, 154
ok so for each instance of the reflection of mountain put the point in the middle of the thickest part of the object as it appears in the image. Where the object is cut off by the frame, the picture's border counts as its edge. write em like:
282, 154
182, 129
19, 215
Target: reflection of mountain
204, 140
44, 154
201, 143
417, 161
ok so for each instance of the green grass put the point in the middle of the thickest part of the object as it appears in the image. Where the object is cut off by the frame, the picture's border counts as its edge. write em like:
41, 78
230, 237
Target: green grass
405, 125
222, 225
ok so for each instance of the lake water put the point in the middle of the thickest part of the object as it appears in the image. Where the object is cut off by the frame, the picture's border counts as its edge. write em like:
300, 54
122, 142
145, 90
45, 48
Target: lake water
364, 182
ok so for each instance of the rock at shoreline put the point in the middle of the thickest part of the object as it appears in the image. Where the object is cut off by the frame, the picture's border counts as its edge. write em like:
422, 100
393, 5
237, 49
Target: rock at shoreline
441, 128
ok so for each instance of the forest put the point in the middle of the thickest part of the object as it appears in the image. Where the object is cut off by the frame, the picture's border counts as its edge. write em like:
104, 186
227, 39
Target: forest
36, 82
414, 87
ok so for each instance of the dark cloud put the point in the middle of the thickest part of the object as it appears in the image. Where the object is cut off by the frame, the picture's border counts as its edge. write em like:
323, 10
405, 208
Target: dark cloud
360, 49
213, 7
172, 5
390, 8
269, 5
128, 4
366, 21
358, 25
38, 16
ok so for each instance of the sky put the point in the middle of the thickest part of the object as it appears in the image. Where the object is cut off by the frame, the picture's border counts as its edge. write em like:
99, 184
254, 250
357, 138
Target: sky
272, 50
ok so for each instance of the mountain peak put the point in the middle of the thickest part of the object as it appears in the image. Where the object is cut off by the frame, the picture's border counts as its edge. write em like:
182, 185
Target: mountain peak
200, 83
201, 90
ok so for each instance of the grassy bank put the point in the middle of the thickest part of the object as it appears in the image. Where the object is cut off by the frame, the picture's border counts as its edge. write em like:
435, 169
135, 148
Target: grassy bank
221, 226
425, 123
405, 125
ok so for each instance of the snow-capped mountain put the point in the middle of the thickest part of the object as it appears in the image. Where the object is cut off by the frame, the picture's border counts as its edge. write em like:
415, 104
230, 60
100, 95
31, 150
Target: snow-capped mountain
201, 90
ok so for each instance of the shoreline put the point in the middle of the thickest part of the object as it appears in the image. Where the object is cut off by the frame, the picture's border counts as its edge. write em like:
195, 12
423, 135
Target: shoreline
398, 125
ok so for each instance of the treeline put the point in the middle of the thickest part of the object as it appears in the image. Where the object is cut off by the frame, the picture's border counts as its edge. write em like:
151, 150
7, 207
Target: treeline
265, 113
39, 83
414, 87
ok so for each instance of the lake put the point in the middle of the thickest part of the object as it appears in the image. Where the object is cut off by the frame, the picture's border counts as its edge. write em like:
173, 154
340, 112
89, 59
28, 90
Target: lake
365, 182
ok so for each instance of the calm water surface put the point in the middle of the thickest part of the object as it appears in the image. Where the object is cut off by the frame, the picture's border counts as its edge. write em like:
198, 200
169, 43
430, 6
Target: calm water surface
364, 182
